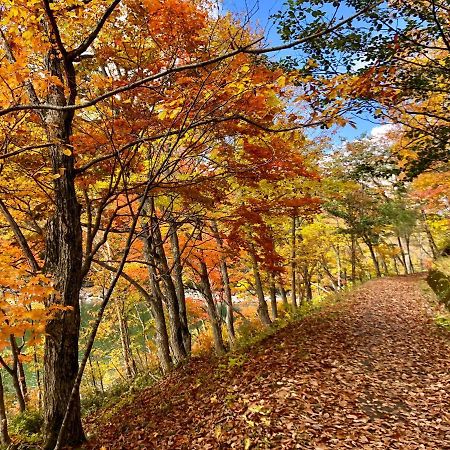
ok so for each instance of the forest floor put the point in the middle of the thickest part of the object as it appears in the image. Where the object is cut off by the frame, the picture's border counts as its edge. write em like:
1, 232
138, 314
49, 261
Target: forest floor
369, 372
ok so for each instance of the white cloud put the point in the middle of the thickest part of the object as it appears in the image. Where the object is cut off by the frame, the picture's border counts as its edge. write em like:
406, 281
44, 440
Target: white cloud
381, 131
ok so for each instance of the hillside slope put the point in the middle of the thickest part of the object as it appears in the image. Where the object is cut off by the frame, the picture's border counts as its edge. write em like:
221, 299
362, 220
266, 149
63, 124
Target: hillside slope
369, 372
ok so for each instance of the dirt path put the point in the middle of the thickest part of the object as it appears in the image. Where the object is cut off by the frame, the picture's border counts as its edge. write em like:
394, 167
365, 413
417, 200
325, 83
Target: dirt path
369, 373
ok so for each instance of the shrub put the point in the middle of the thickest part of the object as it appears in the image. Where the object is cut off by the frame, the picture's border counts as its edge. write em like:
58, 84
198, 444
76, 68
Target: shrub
26, 424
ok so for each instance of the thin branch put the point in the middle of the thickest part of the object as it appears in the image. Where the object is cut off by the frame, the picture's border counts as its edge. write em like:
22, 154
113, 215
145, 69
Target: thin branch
247, 49
73, 54
21, 239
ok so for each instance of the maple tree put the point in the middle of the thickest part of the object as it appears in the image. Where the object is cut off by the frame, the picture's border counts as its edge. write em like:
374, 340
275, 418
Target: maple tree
149, 151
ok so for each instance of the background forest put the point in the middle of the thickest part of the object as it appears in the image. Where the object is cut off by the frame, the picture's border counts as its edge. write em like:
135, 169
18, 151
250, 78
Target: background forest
170, 189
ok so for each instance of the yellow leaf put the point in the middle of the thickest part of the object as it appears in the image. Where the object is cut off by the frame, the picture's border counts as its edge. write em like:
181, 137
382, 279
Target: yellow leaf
162, 115
281, 81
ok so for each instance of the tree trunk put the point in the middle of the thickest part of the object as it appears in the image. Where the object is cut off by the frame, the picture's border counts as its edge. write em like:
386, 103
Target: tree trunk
100, 376
293, 262
402, 254
22, 380
431, 241
263, 312
94, 382
226, 287
283, 294
353, 257
14, 372
19, 394
157, 310
308, 285
338, 266
374, 257
332, 279
384, 265
159, 256
211, 308
38, 378
396, 265
273, 299
63, 260
179, 286
129, 362
145, 338
408, 255
4, 436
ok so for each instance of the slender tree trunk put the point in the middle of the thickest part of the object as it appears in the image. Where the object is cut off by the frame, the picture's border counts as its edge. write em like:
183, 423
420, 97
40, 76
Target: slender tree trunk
100, 376
226, 287
179, 286
283, 294
94, 382
353, 257
263, 312
273, 299
338, 266
19, 394
4, 436
374, 257
408, 255
173, 307
333, 281
157, 310
293, 262
431, 241
402, 254
384, 265
308, 285
22, 380
396, 265
14, 372
145, 338
129, 362
211, 308
38, 378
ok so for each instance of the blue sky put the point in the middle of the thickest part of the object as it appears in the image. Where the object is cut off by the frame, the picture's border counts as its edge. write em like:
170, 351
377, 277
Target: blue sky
261, 11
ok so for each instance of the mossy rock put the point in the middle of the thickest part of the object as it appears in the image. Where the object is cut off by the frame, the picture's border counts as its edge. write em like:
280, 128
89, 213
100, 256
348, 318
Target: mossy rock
440, 283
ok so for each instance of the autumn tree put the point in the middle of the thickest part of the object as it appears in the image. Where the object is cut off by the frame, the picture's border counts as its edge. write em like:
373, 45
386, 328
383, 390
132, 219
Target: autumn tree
391, 61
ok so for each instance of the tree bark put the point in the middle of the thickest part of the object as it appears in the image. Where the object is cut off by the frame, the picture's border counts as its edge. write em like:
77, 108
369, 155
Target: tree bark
263, 312
394, 259
374, 257
431, 241
15, 375
293, 262
308, 285
226, 287
353, 257
22, 380
402, 254
156, 306
283, 294
179, 286
4, 436
408, 255
63, 259
159, 257
129, 362
273, 299
211, 308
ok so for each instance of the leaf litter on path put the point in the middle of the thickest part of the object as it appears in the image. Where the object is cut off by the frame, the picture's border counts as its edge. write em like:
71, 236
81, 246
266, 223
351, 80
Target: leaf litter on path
371, 372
